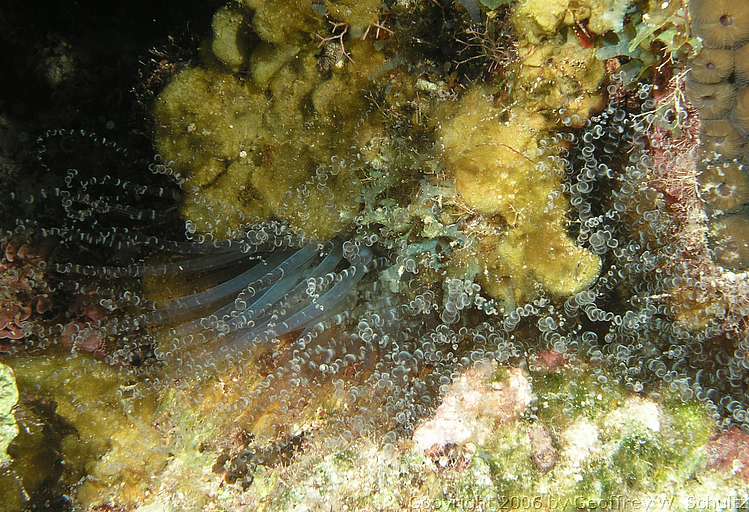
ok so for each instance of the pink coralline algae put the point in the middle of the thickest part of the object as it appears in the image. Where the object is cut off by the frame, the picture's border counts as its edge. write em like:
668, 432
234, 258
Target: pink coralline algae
729, 451
27, 305
24, 291
473, 407
84, 333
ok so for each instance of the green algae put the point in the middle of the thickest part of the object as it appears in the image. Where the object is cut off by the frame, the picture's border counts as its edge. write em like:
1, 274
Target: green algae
663, 29
564, 396
643, 450
8, 400
608, 443
81, 424
614, 448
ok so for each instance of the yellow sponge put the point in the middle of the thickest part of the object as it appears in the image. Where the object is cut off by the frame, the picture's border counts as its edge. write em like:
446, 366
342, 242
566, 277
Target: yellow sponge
500, 171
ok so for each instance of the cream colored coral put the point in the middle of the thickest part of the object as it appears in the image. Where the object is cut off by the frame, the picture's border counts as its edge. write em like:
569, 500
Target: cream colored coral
474, 407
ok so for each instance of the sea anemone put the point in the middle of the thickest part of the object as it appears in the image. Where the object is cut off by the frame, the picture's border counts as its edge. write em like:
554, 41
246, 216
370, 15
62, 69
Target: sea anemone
383, 312
283, 292
313, 312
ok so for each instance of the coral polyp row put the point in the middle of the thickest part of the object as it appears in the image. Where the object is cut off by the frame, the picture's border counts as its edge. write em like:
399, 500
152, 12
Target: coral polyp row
719, 88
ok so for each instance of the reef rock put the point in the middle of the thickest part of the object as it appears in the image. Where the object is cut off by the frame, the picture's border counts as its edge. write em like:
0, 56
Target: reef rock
8, 400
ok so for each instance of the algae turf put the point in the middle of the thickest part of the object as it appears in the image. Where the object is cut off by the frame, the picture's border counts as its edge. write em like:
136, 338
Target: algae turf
79, 430
611, 446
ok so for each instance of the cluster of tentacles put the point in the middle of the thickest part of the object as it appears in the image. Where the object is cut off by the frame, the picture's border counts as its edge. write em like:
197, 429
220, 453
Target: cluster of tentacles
109, 238
308, 316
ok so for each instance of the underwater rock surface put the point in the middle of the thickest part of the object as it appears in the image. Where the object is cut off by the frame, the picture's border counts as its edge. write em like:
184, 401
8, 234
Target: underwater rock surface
8, 400
375, 255
554, 439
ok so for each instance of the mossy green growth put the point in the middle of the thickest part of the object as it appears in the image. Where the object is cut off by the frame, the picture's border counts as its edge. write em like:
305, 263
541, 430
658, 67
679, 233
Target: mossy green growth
270, 127
104, 433
602, 442
612, 442
692, 428
8, 400
564, 396
609, 444
508, 456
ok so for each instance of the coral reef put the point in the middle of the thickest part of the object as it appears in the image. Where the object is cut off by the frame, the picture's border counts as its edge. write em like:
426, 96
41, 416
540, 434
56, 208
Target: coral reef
392, 255
717, 89
721, 24
603, 447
